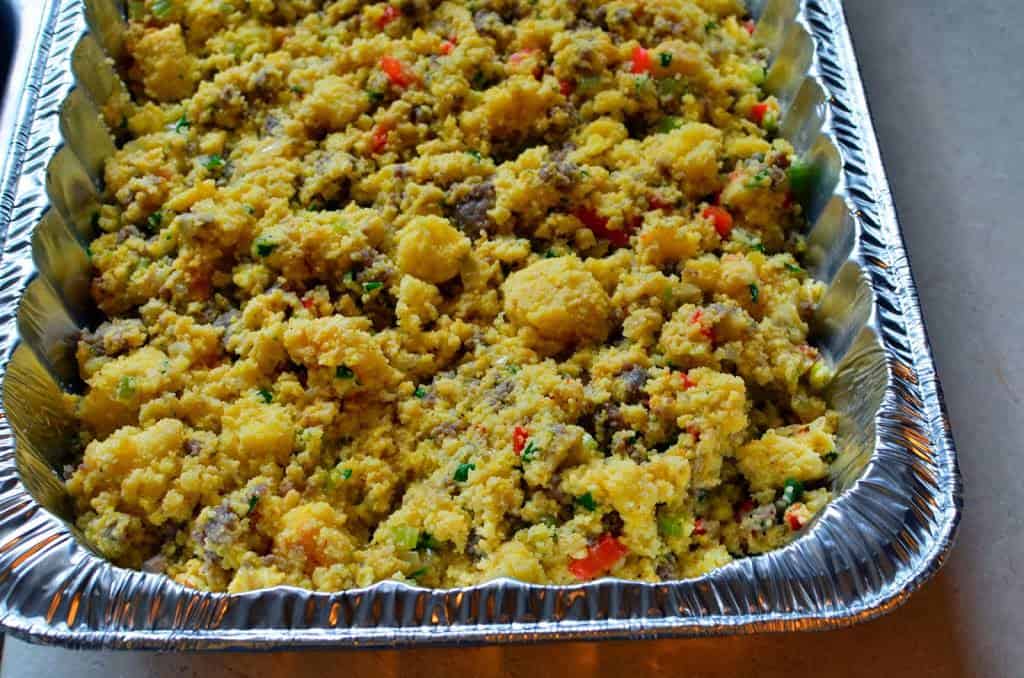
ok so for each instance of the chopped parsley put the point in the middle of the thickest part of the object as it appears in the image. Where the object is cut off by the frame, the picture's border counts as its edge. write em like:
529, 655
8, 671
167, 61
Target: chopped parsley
344, 372
213, 162
710, 26
372, 286
512, 369
587, 501
530, 451
182, 124
264, 247
462, 472
155, 220
666, 59
420, 392
755, 292
475, 155
266, 395
374, 97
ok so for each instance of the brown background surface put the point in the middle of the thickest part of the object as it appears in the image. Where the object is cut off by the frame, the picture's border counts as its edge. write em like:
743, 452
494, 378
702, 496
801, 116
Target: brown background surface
946, 82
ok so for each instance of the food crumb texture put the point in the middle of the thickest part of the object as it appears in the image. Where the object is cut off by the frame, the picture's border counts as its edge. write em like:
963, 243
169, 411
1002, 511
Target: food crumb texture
441, 292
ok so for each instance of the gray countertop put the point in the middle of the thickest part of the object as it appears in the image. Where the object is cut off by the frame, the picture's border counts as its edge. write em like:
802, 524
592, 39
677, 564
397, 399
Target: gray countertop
945, 82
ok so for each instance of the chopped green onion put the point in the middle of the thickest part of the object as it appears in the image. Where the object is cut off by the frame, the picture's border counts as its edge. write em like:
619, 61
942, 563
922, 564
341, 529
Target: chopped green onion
666, 59
346, 473
162, 8
426, 542
343, 372
670, 527
710, 26
213, 162
266, 395
803, 177
758, 180
405, 537
795, 269
253, 500
264, 247
418, 573
551, 254
420, 392
792, 491
512, 369
755, 292
155, 220
530, 452
587, 501
126, 388
182, 124
375, 97
462, 472
475, 155
372, 286
669, 123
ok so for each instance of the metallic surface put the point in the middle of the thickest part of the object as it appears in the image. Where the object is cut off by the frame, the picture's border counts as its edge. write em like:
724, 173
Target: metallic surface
878, 542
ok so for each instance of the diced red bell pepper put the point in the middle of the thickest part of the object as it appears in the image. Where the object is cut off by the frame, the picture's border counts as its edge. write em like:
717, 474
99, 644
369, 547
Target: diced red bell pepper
308, 303
794, 521
642, 62
743, 509
694, 431
750, 26
566, 87
447, 46
687, 382
390, 14
600, 558
721, 218
758, 112
395, 71
380, 138
599, 225
519, 437
698, 528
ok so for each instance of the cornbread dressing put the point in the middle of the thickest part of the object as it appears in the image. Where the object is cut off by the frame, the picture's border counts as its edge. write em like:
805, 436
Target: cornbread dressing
441, 292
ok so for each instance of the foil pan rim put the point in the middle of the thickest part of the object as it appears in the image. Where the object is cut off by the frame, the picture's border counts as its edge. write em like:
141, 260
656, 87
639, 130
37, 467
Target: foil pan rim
54, 591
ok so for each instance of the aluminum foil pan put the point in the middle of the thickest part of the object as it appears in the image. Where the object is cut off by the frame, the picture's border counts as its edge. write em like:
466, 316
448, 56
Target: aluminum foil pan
897, 479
